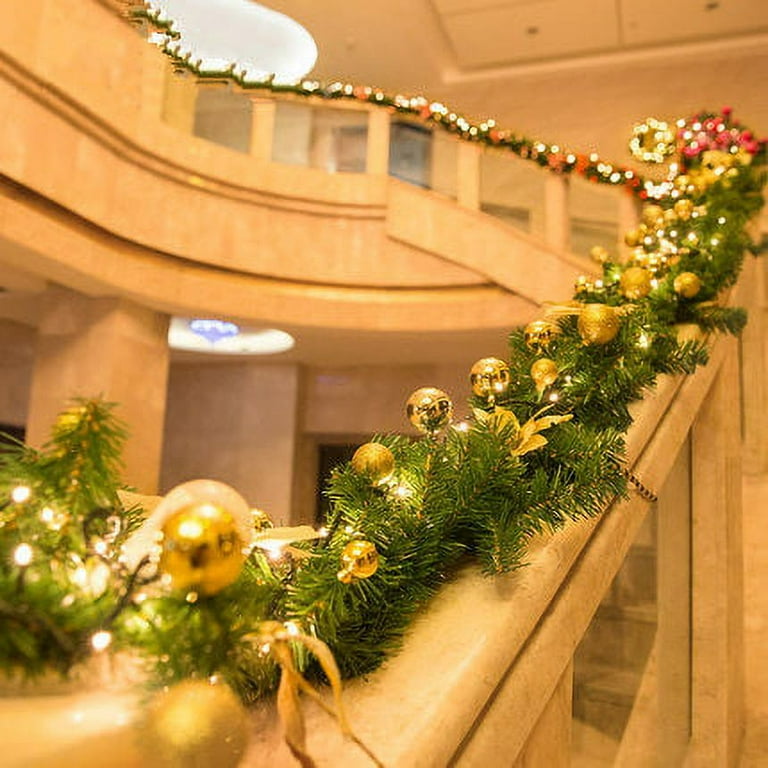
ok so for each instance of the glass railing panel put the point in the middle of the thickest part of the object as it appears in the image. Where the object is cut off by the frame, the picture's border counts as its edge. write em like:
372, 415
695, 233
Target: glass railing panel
512, 190
410, 153
224, 117
631, 692
333, 140
594, 214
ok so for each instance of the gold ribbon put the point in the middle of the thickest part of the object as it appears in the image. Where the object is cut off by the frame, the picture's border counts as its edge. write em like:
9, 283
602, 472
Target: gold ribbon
274, 638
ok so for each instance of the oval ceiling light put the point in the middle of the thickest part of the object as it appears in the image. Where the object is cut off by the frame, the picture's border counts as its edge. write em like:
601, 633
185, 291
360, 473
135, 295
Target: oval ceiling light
256, 40
219, 337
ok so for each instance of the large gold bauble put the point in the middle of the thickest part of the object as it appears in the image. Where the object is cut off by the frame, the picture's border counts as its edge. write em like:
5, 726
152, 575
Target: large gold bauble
429, 410
373, 461
194, 725
652, 213
687, 284
539, 333
599, 254
359, 560
201, 549
489, 377
544, 373
683, 208
635, 283
598, 323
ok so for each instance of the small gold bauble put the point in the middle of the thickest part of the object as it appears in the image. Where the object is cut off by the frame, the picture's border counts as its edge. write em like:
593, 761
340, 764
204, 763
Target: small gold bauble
544, 373
652, 213
687, 284
359, 560
194, 725
599, 254
489, 377
539, 333
429, 410
373, 461
633, 237
201, 548
635, 283
670, 216
261, 520
598, 323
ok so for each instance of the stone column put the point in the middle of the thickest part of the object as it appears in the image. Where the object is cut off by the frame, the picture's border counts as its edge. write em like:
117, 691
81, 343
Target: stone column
179, 99
557, 223
468, 175
377, 157
110, 348
262, 128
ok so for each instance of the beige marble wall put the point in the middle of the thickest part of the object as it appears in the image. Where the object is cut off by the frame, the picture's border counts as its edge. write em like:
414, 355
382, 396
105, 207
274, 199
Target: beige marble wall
234, 422
16, 362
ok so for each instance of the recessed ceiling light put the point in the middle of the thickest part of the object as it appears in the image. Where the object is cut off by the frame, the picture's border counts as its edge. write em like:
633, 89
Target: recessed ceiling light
256, 40
219, 337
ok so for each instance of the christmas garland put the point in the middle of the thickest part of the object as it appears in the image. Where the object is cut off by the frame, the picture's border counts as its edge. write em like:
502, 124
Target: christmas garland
203, 588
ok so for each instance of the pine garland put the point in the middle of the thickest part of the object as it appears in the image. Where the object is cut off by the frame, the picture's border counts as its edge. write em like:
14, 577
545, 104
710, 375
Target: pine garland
546, 447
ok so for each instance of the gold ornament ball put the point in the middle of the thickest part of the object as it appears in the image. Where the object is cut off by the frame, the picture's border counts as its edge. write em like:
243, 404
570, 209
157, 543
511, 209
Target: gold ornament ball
539, 333
544, 373
634, 237
652, 213
670, 216
635, 283
359, 560
201, 548
261, 520
598, 324
373, 461
429, 409
687, 284
599, 254
194, 725
489, 377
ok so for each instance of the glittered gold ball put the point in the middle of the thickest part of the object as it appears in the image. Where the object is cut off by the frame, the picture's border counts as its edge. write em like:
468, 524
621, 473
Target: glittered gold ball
539, 333
489, 377
194, 725
359, 560
635, 283
599, 254
429, 410
261, 520
598, 323
373, 461
652, 213
201, 548
544, 373
687, 284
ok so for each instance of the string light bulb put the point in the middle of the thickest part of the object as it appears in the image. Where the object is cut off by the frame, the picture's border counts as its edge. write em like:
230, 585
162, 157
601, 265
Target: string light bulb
22, 555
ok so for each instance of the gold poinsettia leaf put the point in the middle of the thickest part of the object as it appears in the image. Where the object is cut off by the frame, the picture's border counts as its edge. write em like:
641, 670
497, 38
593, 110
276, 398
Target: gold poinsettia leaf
531, 444
499, 419
548, 421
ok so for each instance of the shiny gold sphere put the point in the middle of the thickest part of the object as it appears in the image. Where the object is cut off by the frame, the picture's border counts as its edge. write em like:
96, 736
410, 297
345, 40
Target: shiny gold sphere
598, 323
261, 520
544, 373
373, 461
633, 237
429, 410
359, 560
687, 284
489, 377
635, 283
599, 254
652, 213
539, 333
194, 725
201, 548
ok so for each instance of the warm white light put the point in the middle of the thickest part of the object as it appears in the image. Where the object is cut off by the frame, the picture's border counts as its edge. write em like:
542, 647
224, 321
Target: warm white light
21, 493
100, 641
402, 491
257, 40
22, 555
292, 628
249, 341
